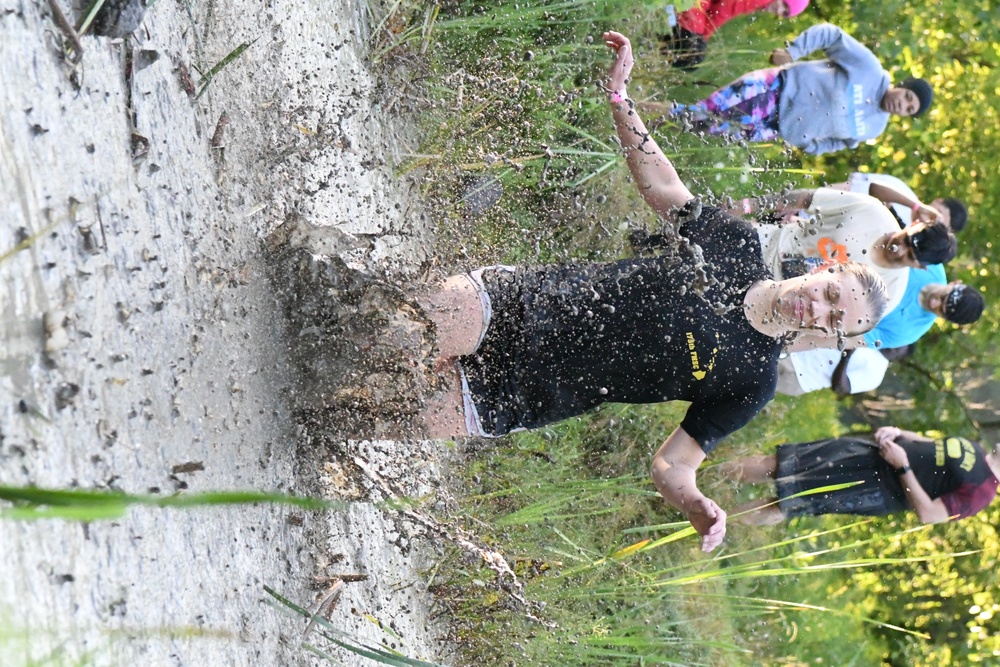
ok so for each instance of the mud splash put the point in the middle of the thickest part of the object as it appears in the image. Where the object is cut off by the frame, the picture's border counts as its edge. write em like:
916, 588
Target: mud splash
363, 347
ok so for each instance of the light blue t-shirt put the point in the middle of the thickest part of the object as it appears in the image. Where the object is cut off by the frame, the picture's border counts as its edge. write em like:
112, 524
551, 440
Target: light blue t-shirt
908, 321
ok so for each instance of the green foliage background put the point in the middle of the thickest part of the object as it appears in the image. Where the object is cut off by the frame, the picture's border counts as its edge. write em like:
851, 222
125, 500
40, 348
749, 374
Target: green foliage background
510, 90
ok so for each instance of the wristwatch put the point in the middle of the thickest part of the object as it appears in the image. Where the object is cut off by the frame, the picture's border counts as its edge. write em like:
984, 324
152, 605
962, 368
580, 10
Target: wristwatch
903, 470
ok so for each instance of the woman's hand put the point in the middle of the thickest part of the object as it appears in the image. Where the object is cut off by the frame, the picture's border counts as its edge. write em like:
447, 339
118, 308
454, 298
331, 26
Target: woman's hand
887, 434
780, 57
621, 70
893, 454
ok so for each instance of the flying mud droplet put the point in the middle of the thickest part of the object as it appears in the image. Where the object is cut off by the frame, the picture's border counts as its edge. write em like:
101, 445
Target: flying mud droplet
65, 394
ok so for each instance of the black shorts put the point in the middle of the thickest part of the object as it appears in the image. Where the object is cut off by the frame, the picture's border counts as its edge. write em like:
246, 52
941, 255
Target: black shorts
813, 465
492, 371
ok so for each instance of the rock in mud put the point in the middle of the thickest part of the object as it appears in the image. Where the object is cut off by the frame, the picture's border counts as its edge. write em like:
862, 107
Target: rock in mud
56, 338
118, 18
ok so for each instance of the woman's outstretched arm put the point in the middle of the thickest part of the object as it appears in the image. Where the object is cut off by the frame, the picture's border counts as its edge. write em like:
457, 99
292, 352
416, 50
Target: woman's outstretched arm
653, 173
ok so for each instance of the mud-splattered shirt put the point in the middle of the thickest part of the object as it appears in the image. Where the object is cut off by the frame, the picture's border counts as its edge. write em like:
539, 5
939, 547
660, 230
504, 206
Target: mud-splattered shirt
567, 338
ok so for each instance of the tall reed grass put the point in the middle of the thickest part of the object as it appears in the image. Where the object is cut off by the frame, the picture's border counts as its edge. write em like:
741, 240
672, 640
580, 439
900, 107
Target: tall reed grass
621, 576
512, 98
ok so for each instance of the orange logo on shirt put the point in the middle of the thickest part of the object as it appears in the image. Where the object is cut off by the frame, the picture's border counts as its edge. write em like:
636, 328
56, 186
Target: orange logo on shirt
831, 252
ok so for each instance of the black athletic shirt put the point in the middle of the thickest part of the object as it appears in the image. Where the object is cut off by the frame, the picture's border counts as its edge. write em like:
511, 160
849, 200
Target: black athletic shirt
954, 470
567, 338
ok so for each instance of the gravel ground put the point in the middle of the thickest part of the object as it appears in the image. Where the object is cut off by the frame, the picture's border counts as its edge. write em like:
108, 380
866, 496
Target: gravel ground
143, 348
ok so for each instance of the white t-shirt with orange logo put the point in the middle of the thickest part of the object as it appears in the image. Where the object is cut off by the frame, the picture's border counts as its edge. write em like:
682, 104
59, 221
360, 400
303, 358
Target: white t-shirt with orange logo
837, 227
861, 182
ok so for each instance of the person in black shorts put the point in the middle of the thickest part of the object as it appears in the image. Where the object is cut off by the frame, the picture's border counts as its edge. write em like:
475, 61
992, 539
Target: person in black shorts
527, 346
897, 471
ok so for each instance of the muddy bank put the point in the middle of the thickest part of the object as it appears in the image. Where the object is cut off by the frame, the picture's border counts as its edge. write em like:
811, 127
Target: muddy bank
144, 349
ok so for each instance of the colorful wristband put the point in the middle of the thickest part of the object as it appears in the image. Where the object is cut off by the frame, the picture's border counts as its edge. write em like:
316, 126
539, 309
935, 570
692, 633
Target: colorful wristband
916, 207
746, 206
616, 98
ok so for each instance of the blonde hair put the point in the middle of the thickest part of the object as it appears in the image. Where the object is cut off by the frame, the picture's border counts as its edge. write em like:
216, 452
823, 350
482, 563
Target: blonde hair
874, 289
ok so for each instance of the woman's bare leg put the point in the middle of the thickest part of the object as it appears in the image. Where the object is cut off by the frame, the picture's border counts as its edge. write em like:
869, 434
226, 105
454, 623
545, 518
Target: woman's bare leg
751, 469
443, 414
457, 313
761, 512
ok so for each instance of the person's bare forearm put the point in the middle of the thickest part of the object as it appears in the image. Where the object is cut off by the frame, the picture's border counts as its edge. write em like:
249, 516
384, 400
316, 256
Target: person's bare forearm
673, 471
642, 153
927, 509
654, 175
890, 195
677, 483
885, 434
779, 203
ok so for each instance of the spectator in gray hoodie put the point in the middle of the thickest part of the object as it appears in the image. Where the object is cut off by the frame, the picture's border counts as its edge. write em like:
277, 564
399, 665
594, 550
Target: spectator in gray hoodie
818, 105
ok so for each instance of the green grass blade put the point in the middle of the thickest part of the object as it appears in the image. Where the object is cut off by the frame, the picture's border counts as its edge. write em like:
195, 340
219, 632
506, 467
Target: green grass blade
586, 135
345, 640
88, 18
597, 172
96, 505
28, 242
210, 74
